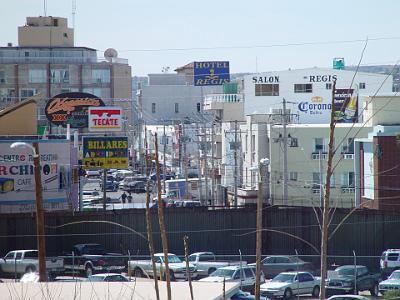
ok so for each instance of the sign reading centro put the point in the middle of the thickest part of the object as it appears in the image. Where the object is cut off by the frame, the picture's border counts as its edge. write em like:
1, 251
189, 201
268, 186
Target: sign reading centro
71, 108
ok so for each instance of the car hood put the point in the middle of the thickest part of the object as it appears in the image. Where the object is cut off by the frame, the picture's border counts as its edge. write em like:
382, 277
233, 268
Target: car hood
274, 285
180, 265
215, 279
391, 282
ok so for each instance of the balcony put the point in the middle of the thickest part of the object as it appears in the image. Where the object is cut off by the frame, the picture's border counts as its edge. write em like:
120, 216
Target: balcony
348, 190
227, 98
315, 156
228, 107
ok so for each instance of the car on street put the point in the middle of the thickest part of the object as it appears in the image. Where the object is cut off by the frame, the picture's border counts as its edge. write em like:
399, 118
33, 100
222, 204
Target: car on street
276, 264
111, 186
244, 275
287, 284
91, 197
348, 297
206, 262
108, 277
392, 283
177, 267
135, 187
389, 262
348, 278
245, 296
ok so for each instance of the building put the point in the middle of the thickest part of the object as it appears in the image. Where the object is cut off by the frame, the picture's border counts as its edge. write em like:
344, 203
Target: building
46, 62
308, 91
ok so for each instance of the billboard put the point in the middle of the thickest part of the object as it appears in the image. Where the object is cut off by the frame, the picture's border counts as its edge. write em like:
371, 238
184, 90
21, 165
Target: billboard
71, 108
17, 179
107, 118
105, 152
211, 72
346, 105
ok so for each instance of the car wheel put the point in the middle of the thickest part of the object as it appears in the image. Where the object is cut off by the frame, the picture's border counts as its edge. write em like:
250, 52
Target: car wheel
315, 291
138, 272
30, 269
375, 290
287, 294
88, 270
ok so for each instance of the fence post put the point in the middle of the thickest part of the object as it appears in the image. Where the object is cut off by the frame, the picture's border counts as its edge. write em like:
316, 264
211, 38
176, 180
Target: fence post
355, 273
73, 265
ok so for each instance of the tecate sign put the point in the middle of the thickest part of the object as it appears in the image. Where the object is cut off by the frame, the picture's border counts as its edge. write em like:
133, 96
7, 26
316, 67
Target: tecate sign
211, 72
107, 118
71, 108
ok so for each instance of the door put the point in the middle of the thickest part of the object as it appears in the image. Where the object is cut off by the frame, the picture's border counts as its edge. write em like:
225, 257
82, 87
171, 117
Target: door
250, 278
8, 266
306, 283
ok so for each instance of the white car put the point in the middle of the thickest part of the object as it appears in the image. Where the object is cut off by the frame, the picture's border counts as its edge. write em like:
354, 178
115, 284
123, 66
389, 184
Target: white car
287, 284
392, 283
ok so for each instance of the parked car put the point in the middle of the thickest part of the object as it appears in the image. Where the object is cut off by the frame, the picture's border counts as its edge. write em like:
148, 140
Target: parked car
244, 275
287, 284
191, 203
392, 283
93, 174
347, 297
389, 262
206, 263
135, 187
109, 277
246, 296
111, 186
26, 261
91, 197
91, 258
343, 278
276, 264
177, 268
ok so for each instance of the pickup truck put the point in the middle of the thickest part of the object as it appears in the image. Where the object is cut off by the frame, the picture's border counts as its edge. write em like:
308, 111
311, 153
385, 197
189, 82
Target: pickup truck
350, 279
206, 263
177, 268
92, 258
24, 261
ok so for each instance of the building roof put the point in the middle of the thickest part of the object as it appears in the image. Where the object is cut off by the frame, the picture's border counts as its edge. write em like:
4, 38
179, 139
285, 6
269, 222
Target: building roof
46, 47
12, 108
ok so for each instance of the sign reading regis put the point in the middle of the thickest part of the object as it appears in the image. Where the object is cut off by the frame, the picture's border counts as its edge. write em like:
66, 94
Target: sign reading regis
107, 118
211, 72
109, 152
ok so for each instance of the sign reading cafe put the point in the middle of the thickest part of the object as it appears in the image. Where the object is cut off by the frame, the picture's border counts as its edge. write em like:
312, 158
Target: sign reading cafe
71, 108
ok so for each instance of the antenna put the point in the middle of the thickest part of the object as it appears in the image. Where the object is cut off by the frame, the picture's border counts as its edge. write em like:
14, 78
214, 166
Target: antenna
73, 13
45, 7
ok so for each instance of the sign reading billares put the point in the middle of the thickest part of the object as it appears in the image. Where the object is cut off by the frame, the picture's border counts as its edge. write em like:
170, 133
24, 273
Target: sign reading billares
107, 118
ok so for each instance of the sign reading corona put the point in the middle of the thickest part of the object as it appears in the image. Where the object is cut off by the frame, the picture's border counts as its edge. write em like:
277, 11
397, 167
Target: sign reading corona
211, 72
107, 118
108, 152
71, 108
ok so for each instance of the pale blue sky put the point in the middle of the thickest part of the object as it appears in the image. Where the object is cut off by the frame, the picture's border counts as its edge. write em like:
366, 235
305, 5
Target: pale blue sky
126, 25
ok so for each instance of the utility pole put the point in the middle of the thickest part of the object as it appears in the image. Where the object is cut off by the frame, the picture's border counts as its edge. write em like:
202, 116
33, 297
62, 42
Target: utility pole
164, 152
199, 184
235, 171
184, 158
321, 181
205, 161
212, 165
285, 166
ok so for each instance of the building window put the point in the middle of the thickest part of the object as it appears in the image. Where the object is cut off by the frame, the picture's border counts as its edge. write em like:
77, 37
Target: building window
348, 179
319, 145
176, 108
328, 86
361, 85
294, 142
59, 76
101, 76
267, 89
293, 176
2, 76
65, 34
66, 90
348, 146
303, 88
94, 91
26, 54
153, 108
198, 107
7, 95
37, 76
25, 93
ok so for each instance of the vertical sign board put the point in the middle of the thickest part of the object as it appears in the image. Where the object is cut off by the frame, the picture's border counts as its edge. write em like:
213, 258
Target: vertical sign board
107, 118
105, 152
346, 105
17, 178
211, 72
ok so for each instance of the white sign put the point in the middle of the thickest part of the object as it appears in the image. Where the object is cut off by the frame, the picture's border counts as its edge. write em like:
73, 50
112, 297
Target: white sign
107, 118
17, 177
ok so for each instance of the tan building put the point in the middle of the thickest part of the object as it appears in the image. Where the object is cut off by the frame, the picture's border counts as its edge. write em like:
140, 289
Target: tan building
19, 119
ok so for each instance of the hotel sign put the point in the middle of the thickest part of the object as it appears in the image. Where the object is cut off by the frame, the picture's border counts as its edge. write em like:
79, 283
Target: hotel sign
211, 72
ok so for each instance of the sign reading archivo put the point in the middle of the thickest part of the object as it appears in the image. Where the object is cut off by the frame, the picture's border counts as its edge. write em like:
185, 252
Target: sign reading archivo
211, 72
71, 108
108, 152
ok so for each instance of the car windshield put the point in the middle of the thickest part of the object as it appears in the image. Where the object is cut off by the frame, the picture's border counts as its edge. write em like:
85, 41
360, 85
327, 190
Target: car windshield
395, 275
93, 249
96, 278
173, 259
192, 257
284, 278
223, 273
346, 272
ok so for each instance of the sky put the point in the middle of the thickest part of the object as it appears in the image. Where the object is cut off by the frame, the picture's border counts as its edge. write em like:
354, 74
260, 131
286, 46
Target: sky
253, 35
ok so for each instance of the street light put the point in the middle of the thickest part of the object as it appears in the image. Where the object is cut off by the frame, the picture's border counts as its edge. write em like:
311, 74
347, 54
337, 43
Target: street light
39, 206
264, 162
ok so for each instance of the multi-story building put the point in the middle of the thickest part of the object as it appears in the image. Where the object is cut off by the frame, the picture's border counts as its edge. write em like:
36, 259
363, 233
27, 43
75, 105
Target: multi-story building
46, 62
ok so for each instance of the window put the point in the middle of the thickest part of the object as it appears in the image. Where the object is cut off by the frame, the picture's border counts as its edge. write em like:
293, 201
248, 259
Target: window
18, 255
303, 88
328, 86
206, 257
7, 95
25, 93
315, 179
348, 146
248, 273
348, 179
267, 89
294, 142
176, 108
293, 176
100, 76
31, 254
66, 90
303, 277
282, 260
2, 76
26, 54
198, 107
59, 76
93, 91
320, 145
37, 76
361, 85
153, 108
65, 34
10, 255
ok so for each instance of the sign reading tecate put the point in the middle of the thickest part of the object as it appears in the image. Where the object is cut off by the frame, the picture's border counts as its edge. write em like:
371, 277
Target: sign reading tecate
105, 152
107, 118
211, 72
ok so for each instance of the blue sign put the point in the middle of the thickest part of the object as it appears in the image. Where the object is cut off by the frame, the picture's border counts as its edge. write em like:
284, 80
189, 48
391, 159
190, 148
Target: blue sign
211, 72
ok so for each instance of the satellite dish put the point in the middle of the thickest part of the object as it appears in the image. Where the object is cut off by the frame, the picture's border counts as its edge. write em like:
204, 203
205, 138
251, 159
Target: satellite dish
110, 53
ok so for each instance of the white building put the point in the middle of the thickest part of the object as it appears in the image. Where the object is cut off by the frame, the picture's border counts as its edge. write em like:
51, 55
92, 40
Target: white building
308, 90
